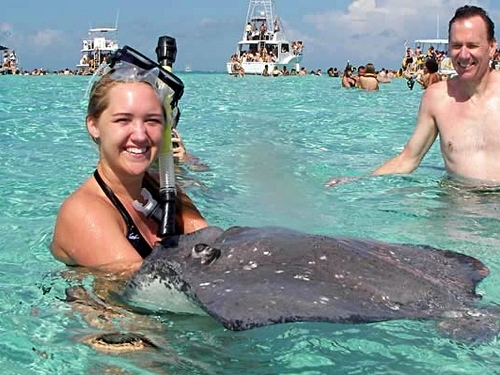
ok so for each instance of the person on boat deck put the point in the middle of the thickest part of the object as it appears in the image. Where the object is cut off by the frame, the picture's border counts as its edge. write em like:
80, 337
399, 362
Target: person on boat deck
263, 29
249, 30
98, 226
464, 110
368, 80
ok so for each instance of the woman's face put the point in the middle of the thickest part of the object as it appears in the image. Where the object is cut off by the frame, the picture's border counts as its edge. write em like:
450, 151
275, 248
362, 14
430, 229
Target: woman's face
130, 129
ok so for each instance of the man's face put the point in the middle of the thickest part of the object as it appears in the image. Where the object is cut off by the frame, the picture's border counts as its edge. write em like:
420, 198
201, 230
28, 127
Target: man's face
469, 48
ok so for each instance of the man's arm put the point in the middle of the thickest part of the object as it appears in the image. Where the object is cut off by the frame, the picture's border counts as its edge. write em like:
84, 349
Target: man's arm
420, 142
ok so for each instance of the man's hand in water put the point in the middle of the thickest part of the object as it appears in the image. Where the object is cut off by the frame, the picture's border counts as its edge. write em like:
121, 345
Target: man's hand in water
339, 180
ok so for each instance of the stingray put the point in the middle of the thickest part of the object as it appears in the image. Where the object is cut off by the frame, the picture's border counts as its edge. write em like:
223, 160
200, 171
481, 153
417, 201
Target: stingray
248, 277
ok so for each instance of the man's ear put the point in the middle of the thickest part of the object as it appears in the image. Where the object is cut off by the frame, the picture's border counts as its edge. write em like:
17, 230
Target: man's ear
493, 48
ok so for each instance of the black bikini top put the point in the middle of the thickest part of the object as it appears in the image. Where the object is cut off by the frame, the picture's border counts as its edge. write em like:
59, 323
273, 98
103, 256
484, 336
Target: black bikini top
134, 236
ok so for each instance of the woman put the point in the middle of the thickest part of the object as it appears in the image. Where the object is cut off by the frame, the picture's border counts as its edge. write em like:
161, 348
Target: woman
98, 226
348, 80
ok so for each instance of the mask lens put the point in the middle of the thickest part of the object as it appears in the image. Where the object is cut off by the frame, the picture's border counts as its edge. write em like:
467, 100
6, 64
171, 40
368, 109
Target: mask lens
175, 87
129, 64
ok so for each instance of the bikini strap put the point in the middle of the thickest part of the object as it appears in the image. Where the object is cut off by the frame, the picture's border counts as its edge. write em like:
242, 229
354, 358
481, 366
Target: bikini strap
114, 199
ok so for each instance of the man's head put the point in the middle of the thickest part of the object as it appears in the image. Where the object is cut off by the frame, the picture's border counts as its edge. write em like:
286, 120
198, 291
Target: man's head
370, 68
471, 42
469, 11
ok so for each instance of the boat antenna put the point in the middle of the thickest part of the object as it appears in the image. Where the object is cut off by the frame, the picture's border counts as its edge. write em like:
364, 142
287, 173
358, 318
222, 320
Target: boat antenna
117, 15
437, 27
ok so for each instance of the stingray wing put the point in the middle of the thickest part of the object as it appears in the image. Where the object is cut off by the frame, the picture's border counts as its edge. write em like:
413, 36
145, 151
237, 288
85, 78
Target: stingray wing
273, 275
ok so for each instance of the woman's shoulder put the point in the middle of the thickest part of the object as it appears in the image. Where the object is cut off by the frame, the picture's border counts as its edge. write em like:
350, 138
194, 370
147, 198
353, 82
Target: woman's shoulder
86, 203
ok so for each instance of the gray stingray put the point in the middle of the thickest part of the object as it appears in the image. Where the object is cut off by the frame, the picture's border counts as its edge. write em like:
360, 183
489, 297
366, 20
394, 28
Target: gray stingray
249, 277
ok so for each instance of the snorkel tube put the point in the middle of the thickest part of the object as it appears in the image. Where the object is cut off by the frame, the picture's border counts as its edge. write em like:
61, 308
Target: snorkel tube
166, 52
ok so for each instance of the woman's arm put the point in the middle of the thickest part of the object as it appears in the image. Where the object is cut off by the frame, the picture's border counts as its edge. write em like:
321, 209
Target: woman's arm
90, 233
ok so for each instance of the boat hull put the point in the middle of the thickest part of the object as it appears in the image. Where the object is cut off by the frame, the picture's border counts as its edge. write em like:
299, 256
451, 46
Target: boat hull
256, 68
264, 42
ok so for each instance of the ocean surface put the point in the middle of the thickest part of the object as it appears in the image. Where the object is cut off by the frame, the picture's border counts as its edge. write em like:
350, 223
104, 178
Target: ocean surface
271, 144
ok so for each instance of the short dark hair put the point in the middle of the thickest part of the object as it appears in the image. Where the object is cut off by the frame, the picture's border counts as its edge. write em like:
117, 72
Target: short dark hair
431, 65
468, 11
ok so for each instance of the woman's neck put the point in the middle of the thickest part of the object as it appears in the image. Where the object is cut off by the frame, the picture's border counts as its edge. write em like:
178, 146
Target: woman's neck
128, 187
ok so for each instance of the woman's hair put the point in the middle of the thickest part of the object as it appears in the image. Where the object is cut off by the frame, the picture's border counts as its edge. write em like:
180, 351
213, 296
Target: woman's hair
99, 98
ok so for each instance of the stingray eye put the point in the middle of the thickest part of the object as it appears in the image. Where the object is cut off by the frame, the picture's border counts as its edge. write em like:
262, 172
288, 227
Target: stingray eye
198, 250
199, 247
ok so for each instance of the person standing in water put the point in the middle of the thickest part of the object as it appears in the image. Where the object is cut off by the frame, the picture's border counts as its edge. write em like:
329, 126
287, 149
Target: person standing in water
464, 110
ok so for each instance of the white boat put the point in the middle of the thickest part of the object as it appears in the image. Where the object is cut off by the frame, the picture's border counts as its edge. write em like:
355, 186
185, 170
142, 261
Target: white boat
445, 66
188, 69
9, 62
264, 43
96, 47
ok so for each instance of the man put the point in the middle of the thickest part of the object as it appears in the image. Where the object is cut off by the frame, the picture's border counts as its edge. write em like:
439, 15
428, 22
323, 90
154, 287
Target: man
464, 111
368, 80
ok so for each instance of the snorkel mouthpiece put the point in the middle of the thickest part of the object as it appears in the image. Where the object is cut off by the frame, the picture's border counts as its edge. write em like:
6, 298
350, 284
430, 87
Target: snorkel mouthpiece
166, 51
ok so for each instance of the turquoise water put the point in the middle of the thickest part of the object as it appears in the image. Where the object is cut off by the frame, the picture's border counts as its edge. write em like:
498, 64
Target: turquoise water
271, 145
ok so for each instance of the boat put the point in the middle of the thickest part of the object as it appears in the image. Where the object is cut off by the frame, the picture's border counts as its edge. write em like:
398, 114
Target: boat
10, 61
441, 45
96, 47
188, 69
437, 48
264, 42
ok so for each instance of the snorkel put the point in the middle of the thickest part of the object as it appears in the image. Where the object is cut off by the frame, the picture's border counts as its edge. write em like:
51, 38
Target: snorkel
166, 52
129, 65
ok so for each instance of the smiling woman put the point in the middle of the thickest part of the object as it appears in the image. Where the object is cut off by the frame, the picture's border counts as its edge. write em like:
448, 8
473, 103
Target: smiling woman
97, 226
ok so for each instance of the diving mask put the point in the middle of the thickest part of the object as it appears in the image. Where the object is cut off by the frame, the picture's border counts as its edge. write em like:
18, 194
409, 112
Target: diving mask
127, 64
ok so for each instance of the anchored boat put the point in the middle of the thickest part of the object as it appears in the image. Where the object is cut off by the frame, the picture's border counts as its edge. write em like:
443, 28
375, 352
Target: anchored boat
264, 43
99, 44
445, 64
9, 62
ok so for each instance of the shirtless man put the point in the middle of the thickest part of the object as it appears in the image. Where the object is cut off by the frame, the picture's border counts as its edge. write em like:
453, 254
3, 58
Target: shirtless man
368, 81
464, 110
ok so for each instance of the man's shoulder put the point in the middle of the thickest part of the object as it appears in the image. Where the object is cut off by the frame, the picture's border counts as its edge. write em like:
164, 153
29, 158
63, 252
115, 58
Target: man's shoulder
495, 75
436, 92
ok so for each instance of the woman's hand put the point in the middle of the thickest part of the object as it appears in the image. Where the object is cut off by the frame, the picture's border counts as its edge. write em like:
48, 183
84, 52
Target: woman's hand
178, 150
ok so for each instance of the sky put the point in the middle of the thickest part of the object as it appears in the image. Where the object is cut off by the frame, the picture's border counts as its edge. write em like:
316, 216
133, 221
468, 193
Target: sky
48, 34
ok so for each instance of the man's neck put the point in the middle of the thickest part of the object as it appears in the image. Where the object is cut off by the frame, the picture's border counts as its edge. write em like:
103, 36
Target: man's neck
478, 87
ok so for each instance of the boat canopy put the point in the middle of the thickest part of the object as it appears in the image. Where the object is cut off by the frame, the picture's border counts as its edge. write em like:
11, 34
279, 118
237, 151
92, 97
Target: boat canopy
256, 42
103, 30
430, 41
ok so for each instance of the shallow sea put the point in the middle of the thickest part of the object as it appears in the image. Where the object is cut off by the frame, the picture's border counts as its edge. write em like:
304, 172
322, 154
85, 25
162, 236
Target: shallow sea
271, 144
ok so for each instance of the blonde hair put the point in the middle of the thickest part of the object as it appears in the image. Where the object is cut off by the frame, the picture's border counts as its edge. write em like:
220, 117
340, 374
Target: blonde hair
370, 68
